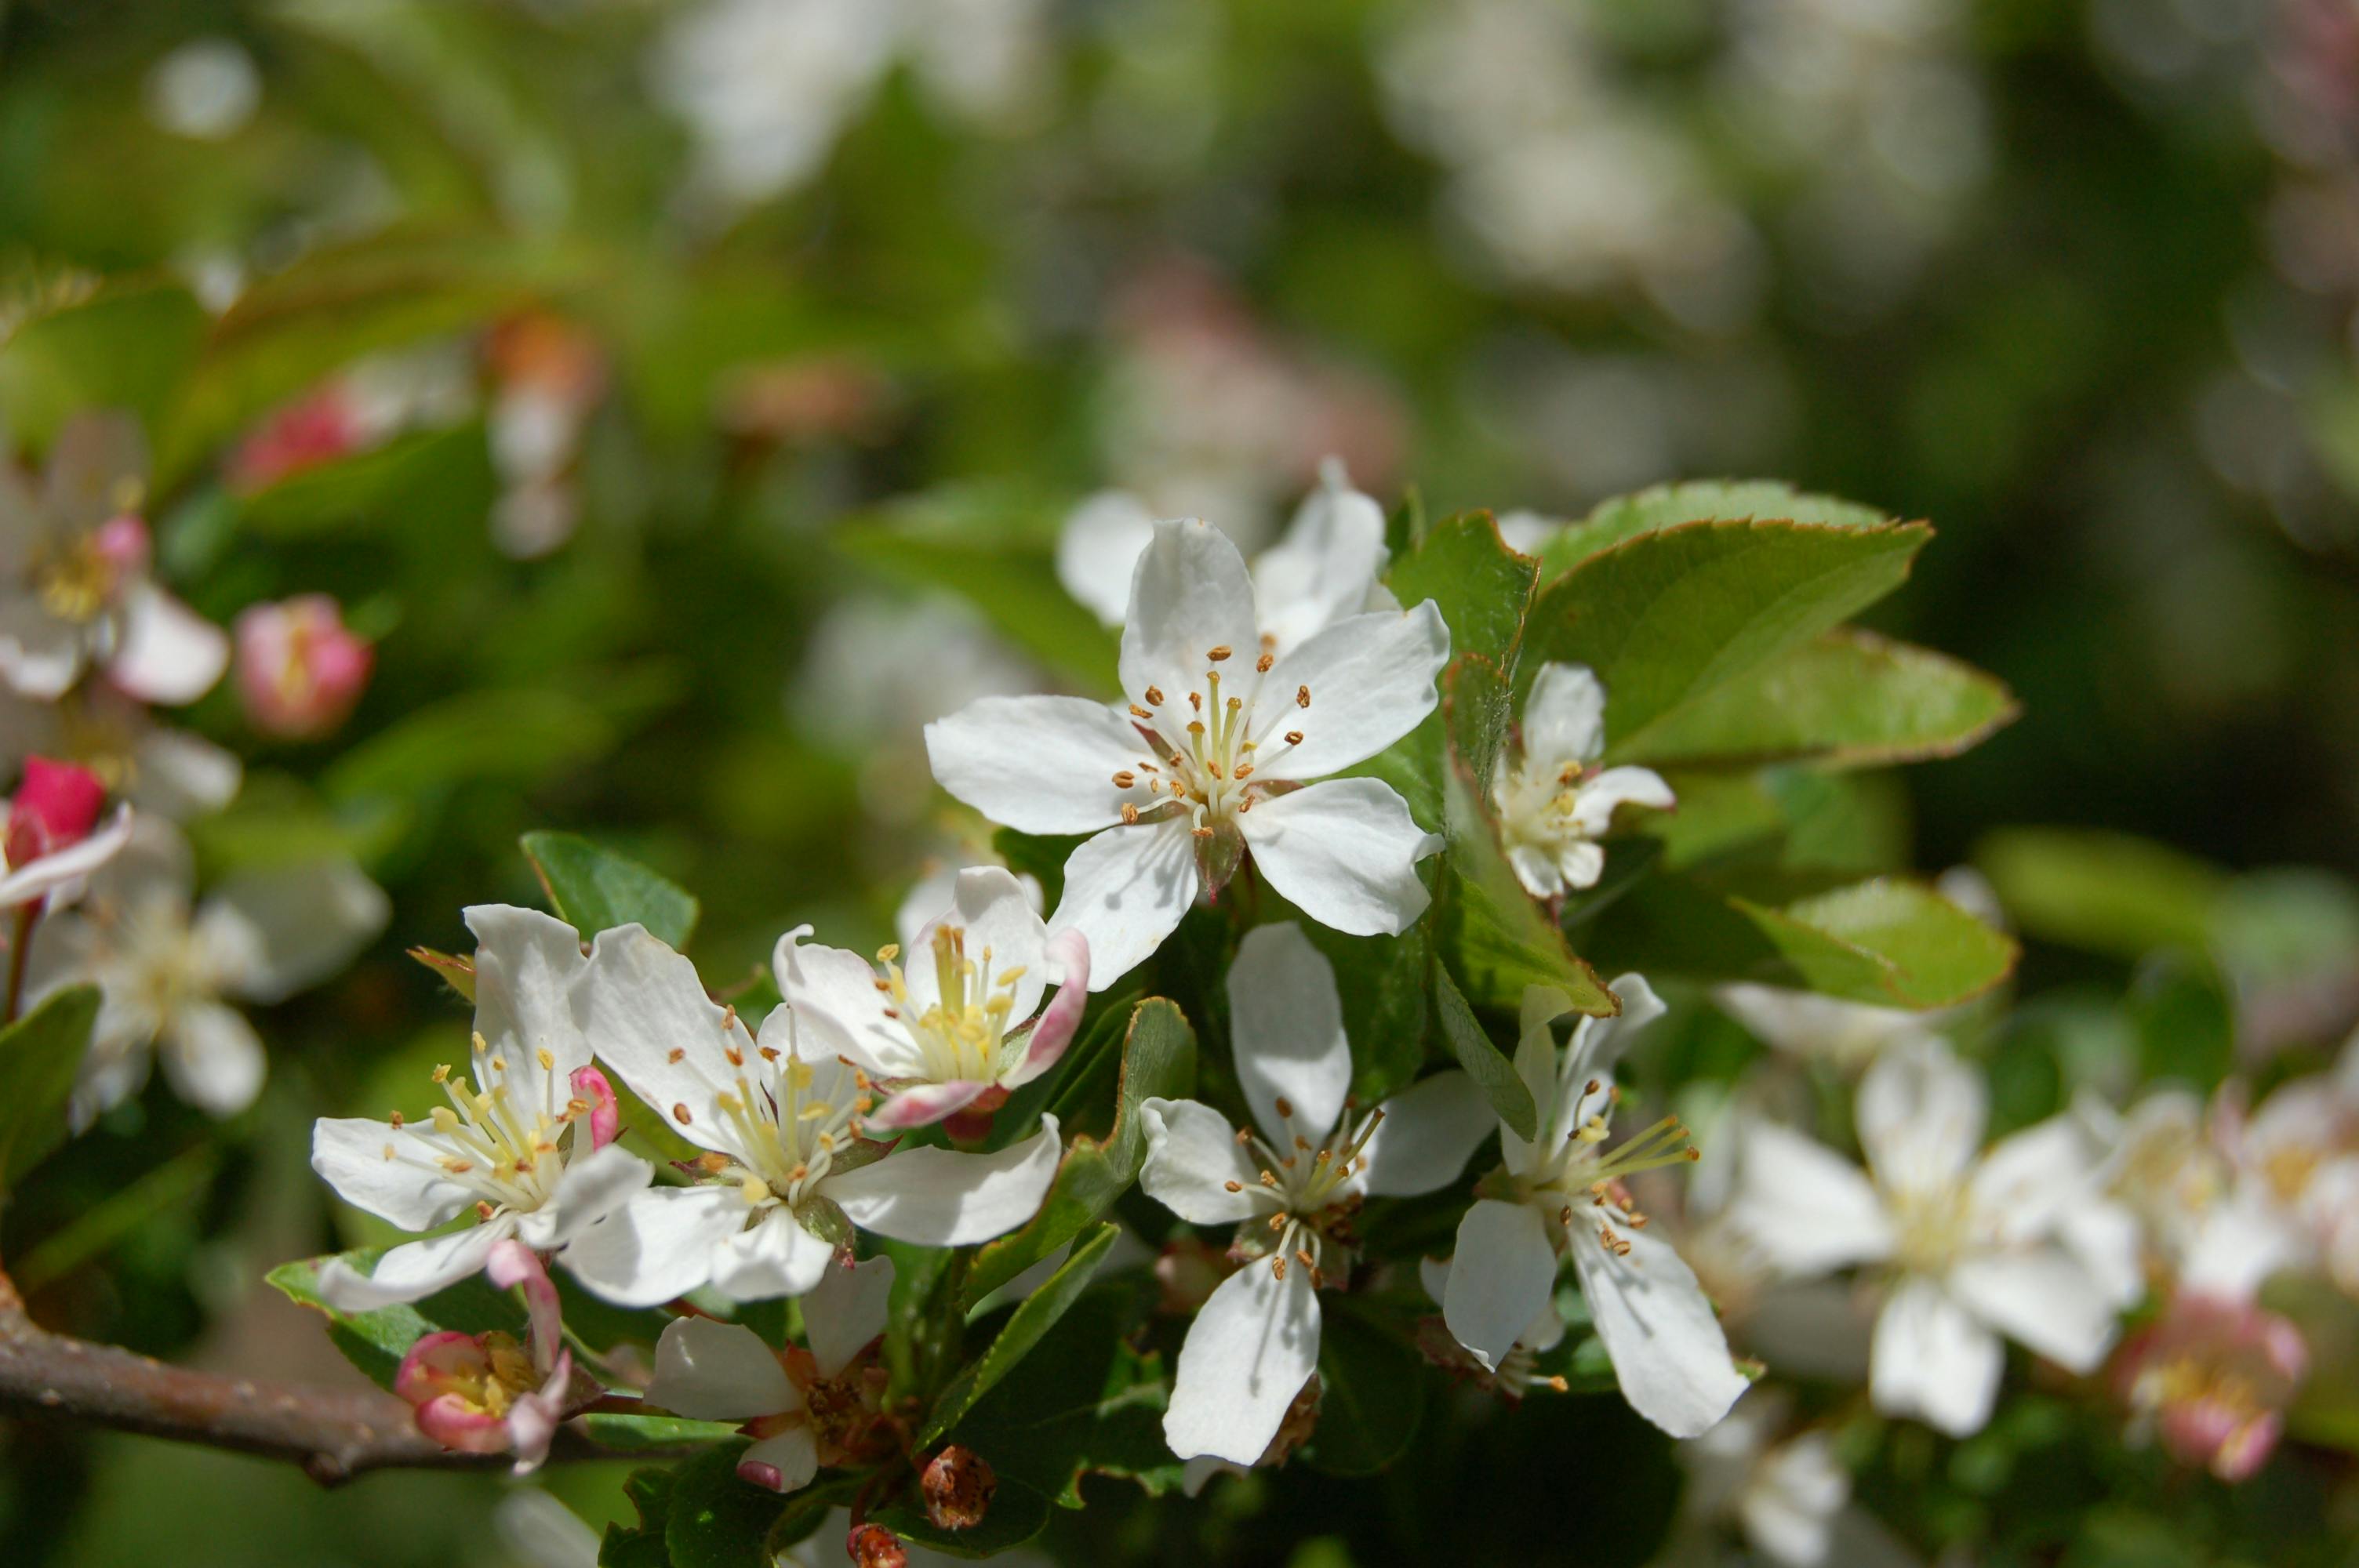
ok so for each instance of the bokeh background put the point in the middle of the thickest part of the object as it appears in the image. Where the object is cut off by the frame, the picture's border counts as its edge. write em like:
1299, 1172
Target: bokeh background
590, 351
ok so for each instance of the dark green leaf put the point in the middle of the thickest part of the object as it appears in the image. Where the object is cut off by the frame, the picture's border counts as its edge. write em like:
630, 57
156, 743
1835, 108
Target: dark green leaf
1033, 1318
641, 1545
1158, 1058
715, 1519
377, 1341
595, 889
1373, 1384
1017, 1514
1848, 699
1482, 1060
516, 737
635, 1433
124, 347
1697, 501
1667, 618
40, 1055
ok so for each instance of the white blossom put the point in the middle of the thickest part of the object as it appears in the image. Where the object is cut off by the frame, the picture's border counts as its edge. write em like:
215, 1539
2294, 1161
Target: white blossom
1561, 1197
1554, 802
786, 1173
1212, 756
1290, 1183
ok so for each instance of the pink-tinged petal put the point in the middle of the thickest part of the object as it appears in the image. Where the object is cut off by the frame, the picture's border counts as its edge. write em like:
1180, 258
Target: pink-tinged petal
782, 1464
511, 1264
1054, 1031
534, 1419
434, 1361
605, 1115
55, 804
924, 1105
457, 1426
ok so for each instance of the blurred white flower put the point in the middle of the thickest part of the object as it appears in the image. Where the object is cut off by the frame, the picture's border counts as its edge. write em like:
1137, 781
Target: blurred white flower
1562, 1197
1195, 771
169, 966
207, 89
1554, 802
1786, 1493
1285, 1186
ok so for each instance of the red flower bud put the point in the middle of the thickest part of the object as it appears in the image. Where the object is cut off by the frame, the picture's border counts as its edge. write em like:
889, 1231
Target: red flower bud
57, 806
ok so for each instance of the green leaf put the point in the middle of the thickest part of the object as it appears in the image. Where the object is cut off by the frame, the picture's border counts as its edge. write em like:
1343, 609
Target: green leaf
519, 737
1484, 1062
995, 550
1850, 698
377, 1341
1697, 501
126, 346
1158, 1058
641, 1545
1032, 1318
1481, 587
1495, 939
1085, 1402
2107, 892
595, 889
1373, 1385
369, 486
1884, 941
715, 1519
40, 1055
1667, 618
637, 1434
1383, 982
1018, 1513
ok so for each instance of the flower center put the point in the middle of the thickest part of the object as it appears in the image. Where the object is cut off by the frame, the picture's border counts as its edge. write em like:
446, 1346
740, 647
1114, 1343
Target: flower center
1301, 1183
792, 1136
510, 1154
490, 1381
1208, 749
1538, 805
959, 1037
1584, 1172
1933, 1226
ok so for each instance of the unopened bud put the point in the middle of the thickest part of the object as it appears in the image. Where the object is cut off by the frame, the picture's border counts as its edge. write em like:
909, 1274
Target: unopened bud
56, 805
299, 670
874, 1546
958, 1484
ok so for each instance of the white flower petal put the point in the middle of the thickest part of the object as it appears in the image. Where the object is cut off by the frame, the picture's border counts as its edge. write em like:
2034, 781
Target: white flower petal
1253, 1346
1428, 1130
782, 1464
1098, 551
213, 1058
846, 1310
2043, 1299
1125, 890
1040, 764
1789, 1508
838, 1009
992, 910
938, 1197
774, 1257
1932, 1360
1545, 874
659, 1245
1537, 1066
707, 1370
528, 969
1371, 682
1564, 716
641, 1005
1286, 1024
411, 1271
182, 776
409, 1188
1806, 1208
40, 654
168, 652
49, 874
1921, 1113
1344, 852
1323, 568
1669, 1355
1500, 1279
2030, 1180
306, 920
595, 1184
1192, 1161
1595, 802
1189, 596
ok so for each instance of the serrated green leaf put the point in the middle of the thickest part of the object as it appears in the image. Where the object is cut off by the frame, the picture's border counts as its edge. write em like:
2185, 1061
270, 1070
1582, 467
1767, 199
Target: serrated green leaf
1481, 587
377, 1341
1084, 1403
1697, 501
1372, 1387
2108, 892
1885, 941
715, 1519
641, 1545
1034, 1316
1158, 1058
1848, 699
1489, 933
995, 550
1484, 1062
1018, 1513
1667, 618
40, 1055
595, 889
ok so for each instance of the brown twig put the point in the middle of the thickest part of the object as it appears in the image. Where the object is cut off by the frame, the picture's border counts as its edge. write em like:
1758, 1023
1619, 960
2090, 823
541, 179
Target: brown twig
334, 1434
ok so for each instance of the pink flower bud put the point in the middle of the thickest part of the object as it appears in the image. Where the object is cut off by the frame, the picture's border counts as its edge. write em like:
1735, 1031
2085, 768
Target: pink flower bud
463, 1387
57, 806
122, 543
590, 1085
315, 429
298, 670
2211, 1378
